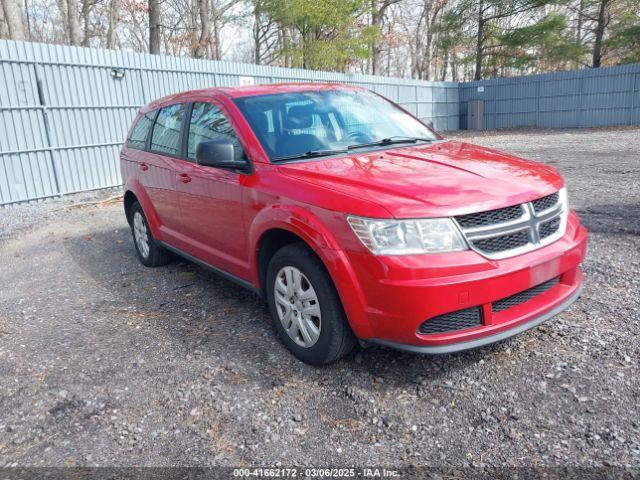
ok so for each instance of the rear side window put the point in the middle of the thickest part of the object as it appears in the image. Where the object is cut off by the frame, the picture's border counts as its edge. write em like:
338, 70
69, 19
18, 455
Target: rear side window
209, 123
166, 131
138, 137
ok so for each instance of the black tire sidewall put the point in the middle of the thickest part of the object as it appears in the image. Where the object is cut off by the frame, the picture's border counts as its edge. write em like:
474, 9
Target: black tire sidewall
333, 321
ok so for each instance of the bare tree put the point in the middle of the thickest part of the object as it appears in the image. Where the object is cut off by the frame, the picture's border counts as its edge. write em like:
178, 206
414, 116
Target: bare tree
73, 22
154, 26
114, 17
200, 49
13, 16
378, 10
602, 21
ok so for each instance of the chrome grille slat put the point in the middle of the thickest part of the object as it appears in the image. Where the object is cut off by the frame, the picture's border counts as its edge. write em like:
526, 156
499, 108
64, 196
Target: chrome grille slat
517, 229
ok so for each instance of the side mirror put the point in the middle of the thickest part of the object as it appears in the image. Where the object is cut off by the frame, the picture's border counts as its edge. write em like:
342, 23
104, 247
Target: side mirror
219, 154
430, 125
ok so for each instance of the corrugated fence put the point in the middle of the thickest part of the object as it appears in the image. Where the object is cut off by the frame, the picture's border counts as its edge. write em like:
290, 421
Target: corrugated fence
65, 110
580, 98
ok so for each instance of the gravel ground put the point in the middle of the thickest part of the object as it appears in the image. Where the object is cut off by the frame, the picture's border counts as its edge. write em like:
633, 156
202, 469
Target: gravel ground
105, 362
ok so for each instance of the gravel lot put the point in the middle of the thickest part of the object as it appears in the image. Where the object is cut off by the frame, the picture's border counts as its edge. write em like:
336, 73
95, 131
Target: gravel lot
105, 362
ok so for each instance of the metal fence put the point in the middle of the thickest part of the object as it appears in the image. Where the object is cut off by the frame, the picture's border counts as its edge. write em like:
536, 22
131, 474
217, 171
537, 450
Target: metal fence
65, 110
581, 98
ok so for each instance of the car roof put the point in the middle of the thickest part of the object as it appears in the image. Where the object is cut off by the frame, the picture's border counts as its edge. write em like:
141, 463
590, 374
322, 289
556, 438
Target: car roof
246, 91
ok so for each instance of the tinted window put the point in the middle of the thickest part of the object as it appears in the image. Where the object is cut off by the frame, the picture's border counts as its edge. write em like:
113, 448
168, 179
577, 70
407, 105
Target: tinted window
166, 131
138, 137
209, 123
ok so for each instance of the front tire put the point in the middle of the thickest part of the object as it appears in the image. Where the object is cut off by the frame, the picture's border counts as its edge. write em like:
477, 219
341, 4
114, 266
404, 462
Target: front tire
305, 307
149, 252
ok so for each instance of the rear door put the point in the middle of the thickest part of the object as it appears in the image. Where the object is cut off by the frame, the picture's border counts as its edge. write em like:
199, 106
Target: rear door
211, 198
132, 155
158, 170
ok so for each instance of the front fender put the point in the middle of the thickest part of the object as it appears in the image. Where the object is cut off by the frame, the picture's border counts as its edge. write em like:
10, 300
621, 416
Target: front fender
309, 227
295, 219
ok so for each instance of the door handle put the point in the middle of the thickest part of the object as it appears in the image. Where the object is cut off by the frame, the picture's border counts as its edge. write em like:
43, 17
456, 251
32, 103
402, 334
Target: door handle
144, 167
184, 178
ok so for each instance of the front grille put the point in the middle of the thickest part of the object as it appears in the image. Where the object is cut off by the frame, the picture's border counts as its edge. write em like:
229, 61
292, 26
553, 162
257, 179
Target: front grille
524, 296
545, 203
503, 242
549, 228
467, 318
490, 217
513, 230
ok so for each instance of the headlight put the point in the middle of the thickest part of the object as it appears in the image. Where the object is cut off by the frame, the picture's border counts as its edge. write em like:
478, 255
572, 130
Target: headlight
407, 237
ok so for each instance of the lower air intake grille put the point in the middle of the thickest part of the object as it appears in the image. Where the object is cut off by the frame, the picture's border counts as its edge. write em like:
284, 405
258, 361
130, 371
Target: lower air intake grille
467, 318
524, 296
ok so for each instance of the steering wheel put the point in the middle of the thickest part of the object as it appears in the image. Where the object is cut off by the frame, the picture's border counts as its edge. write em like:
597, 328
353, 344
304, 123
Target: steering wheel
358, 137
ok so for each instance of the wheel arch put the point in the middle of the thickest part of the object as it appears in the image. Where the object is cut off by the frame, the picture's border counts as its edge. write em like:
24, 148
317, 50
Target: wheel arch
269, 243
281, 227
129, 199
135, 192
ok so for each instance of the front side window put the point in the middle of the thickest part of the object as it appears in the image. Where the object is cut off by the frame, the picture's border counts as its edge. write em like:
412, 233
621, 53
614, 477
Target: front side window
166, 131
140, 132
290, 124
209, 123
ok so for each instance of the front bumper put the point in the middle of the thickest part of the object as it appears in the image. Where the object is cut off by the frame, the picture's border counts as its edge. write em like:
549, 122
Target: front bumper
486, 340
387, 298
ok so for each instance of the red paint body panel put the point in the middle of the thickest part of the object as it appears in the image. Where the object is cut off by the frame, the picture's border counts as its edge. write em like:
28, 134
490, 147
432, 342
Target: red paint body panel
220, 216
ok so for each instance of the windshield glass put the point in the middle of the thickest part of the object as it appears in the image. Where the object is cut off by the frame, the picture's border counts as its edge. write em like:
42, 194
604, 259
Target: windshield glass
325, 122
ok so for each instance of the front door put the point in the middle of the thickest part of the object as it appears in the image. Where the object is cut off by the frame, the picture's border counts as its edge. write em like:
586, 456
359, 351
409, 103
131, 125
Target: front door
211, 198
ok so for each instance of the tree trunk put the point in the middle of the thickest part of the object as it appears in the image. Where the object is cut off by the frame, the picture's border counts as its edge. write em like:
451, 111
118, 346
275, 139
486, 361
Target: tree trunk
217, 48
375, 47
62, 7
205, 29
73, 22
479, 43
87, 6
257, 43
599, 33
579, 25
114, 17
13, 16
154, 27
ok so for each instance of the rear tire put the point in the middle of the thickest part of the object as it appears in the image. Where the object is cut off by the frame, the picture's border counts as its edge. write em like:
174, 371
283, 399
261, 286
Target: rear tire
305, 307
149, 252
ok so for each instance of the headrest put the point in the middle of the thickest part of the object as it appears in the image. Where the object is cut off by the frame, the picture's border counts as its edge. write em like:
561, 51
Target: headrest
299, 117
261, 122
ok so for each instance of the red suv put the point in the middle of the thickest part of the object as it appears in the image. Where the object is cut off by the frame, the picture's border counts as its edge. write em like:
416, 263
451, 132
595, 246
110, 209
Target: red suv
351, 218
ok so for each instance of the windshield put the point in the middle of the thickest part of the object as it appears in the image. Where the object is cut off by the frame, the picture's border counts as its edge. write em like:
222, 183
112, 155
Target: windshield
320, 123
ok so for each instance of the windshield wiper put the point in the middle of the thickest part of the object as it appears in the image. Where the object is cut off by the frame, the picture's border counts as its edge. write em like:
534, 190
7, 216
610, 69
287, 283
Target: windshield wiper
391, 141
311, 154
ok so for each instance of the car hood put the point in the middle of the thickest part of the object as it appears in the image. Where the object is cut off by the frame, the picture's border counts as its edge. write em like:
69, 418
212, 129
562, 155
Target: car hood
441, 179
